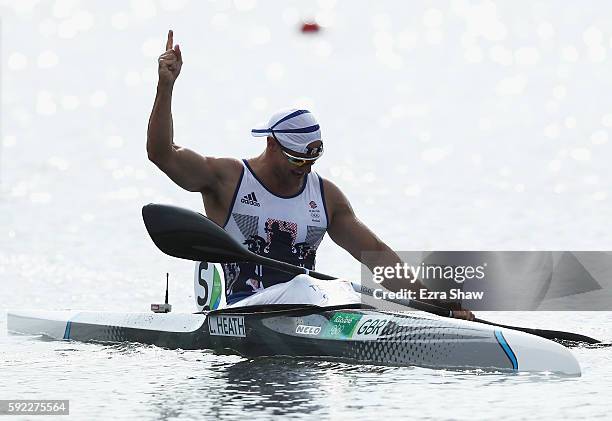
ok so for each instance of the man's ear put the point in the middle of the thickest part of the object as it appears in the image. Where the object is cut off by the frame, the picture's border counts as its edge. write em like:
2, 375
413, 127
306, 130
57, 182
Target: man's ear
271, 143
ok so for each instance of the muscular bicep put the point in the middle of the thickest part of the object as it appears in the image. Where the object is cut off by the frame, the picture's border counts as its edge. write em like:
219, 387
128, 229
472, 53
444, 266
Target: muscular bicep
195, 172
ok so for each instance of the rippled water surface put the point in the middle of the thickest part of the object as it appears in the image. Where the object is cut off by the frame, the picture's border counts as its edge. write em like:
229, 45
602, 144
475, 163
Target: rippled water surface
450, 125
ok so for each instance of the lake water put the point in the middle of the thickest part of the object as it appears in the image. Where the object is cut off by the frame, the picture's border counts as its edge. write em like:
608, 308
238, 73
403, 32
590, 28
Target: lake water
449, 125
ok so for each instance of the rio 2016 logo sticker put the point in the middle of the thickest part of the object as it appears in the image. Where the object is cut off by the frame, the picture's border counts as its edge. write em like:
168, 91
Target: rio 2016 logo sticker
341, 325
355, 326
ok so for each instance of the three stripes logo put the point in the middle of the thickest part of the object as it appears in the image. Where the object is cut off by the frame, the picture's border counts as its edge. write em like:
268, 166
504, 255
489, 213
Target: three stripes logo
250, 199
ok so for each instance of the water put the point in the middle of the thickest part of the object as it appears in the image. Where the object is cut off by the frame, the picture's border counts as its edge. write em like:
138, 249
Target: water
449, 125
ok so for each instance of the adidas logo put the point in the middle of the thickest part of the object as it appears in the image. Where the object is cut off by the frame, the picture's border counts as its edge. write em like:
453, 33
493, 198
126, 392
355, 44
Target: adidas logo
250, 199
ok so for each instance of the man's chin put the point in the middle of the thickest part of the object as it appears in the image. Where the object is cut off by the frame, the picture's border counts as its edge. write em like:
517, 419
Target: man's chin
298, 173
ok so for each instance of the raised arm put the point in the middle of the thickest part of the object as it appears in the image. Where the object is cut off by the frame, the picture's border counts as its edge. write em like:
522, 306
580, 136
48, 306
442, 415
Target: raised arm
185, 167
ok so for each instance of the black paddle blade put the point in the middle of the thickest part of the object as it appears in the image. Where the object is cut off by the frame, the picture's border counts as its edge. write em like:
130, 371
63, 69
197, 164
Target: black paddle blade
554, 335
190, 235
561, 336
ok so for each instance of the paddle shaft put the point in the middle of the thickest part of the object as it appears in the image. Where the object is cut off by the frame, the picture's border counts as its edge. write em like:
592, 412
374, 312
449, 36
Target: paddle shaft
418, 305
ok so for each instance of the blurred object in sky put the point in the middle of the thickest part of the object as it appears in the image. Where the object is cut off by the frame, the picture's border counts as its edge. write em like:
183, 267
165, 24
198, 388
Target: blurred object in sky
310, 26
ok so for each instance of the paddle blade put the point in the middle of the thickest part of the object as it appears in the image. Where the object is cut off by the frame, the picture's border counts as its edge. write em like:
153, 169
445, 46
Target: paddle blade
190, 235
554, 335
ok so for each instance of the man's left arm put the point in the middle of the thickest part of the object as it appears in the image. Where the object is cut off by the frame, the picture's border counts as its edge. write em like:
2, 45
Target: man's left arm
355, 237
346, 230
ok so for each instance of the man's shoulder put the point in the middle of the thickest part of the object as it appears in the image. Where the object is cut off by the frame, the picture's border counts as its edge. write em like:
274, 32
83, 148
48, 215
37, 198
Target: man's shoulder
223, 174
336, 201
332, 192
226, 167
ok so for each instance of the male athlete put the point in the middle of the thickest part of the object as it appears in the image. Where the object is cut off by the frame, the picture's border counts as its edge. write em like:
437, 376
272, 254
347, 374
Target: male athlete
274, 203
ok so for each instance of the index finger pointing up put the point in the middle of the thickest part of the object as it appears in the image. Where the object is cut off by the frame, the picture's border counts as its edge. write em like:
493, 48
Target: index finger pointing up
169, 41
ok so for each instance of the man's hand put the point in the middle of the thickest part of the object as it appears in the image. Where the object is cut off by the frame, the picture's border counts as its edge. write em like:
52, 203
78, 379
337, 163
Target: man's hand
455, 307
463, 314
170, 63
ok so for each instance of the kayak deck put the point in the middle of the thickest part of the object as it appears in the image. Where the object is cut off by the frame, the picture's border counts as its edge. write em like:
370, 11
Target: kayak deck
351, 334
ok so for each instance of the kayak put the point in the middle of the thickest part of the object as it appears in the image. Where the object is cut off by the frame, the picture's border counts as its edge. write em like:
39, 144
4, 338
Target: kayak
349, 333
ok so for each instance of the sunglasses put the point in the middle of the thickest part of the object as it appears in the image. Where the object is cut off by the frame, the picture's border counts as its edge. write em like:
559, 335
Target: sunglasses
300, 161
